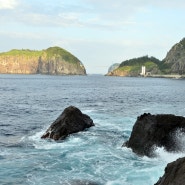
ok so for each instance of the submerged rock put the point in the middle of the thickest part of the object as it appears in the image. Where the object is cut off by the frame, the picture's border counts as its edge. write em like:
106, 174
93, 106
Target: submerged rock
71, 120
174, 173
152, 131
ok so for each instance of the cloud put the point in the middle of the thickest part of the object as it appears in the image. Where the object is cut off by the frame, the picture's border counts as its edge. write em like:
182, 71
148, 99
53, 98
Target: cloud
104, 14
8, 4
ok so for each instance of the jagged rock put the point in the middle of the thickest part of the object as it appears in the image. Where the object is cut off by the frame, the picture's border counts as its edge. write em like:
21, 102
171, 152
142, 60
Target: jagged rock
159, 130
175, 58
174, 173
71, 120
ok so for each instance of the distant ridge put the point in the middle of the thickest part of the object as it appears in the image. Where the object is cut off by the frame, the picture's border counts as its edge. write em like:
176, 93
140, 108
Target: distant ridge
54, 61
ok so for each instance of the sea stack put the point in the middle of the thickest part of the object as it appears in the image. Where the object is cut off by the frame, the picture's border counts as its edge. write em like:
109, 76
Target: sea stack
71, 120
152, 131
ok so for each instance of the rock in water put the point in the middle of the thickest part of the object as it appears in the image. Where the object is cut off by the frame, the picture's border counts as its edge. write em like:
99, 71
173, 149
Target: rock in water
174, 173
71, 120
159, 130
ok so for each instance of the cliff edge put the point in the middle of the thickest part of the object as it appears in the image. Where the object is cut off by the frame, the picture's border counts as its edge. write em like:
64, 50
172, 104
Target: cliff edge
175, 58
54, 61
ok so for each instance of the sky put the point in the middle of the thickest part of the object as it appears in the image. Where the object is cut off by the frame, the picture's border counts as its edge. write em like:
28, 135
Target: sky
98, 32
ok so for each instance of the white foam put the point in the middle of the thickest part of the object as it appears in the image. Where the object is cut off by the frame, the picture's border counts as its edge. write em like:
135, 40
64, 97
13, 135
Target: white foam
168, 157
117, 182
179, 138
88, 111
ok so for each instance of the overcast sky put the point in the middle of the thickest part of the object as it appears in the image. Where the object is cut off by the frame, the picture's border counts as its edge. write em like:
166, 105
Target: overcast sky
98, 32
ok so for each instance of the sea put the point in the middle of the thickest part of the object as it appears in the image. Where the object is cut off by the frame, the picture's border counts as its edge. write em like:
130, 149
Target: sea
30, 103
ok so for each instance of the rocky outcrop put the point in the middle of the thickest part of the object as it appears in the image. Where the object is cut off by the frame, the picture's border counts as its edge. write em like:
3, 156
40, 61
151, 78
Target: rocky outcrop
54, 61
72, 120
159, 130
113, 67
175, 58
174, 173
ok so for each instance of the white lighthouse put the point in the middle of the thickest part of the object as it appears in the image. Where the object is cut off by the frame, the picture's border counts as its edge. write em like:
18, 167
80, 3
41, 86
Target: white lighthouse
143, 71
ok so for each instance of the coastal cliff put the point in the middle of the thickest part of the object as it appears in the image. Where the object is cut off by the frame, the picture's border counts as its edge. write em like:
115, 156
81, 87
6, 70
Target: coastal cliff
54, 61
173, 64
175, 58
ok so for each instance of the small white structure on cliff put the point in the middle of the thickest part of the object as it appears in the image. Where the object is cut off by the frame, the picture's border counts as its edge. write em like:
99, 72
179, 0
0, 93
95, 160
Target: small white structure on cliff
143, 71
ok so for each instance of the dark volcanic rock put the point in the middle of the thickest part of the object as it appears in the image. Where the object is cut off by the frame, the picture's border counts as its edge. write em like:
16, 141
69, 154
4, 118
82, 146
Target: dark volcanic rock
174, 173
72, 120
159, 130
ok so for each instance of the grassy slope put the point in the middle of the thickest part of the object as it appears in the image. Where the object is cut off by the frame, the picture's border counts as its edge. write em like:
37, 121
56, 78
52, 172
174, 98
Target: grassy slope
50, 52
134, 65
59, 52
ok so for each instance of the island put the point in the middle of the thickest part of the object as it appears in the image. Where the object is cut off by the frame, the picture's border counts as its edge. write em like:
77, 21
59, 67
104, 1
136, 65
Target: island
52, 61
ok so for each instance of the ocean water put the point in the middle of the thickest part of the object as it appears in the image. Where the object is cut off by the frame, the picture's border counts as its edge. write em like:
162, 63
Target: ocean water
30, 103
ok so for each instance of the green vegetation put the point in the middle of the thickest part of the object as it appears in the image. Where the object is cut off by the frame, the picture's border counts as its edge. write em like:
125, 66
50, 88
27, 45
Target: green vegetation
140, 61
164, 67
133, 66
59, 52
23, 52
52, 52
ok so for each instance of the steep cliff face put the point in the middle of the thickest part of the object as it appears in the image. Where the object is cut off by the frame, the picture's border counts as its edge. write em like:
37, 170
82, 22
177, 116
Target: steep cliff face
175, 58
54, 60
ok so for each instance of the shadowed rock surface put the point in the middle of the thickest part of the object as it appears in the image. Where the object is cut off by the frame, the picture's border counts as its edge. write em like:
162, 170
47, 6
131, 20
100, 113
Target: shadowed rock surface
71, 120
159, 130
174, 173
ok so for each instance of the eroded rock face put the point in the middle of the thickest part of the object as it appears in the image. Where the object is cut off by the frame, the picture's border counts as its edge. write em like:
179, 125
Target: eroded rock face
159, 130
71, 120
174, 173
175, 58
52, 61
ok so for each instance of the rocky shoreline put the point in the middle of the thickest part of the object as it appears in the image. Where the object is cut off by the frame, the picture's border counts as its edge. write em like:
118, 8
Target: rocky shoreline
149, 131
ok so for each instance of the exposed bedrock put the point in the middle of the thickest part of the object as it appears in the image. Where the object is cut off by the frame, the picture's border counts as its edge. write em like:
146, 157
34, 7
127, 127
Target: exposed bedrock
174, 173
151, 131
71, 120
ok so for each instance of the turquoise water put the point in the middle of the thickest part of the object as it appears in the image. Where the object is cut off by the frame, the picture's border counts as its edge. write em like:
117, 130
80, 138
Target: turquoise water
29, 104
